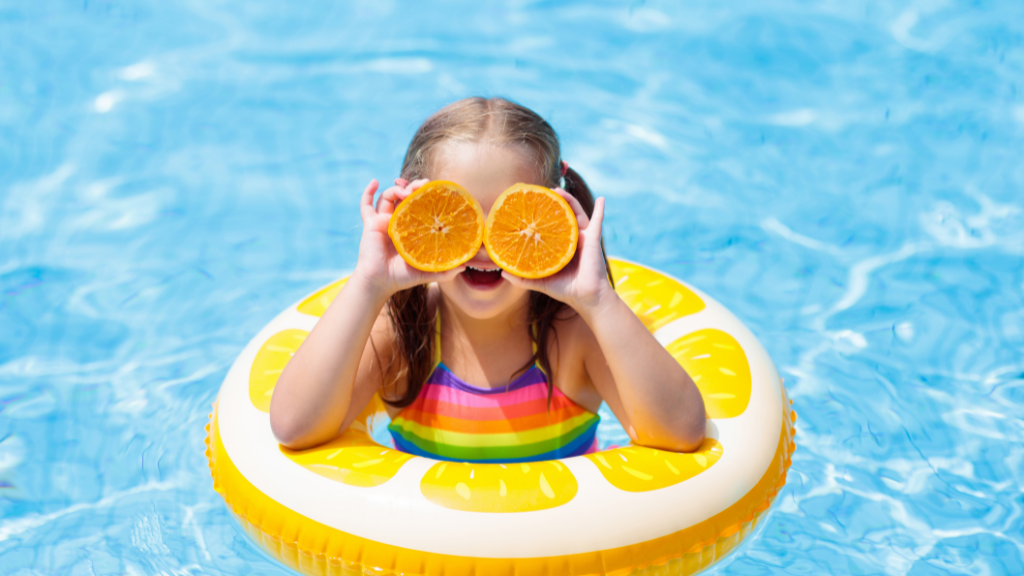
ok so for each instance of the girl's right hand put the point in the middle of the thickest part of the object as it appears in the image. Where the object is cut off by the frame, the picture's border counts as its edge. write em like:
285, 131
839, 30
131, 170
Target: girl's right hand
380, 264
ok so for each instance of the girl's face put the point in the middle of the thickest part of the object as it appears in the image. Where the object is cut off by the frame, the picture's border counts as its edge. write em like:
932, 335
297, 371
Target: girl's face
485, 170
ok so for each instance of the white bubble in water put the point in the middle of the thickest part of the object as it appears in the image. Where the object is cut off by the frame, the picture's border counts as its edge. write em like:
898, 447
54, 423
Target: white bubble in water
905, 331
105, 102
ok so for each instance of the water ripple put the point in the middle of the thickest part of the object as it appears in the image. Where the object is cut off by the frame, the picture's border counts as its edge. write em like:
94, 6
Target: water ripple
844, 176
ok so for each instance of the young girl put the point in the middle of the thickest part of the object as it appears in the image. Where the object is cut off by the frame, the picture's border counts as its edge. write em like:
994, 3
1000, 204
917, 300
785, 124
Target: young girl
476, 364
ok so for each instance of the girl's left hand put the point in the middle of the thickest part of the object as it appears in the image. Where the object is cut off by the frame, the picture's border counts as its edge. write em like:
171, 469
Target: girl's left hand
583, 283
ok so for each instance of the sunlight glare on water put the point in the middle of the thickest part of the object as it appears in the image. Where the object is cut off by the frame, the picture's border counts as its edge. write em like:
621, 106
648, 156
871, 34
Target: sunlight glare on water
846, 177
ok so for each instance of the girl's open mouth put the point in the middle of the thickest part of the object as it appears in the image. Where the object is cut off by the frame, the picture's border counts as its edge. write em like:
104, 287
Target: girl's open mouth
482, 279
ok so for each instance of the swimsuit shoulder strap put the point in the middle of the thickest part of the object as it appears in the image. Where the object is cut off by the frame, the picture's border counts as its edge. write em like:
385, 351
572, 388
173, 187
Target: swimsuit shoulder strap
437, 339
533, 346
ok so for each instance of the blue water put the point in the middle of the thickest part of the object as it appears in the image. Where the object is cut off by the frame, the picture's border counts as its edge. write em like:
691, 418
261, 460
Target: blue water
846, 176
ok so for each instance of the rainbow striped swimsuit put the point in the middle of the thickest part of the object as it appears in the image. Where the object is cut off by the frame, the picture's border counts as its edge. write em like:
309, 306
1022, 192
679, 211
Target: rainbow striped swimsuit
454, 420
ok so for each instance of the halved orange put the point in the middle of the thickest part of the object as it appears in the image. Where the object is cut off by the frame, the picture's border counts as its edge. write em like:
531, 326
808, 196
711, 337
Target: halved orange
531, 231
438, 227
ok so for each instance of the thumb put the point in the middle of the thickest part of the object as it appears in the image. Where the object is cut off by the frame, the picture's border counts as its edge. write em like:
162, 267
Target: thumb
596, 221
535, 284
513, 279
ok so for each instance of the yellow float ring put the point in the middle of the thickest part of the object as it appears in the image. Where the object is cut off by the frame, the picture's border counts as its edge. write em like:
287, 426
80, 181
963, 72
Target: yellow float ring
353, 506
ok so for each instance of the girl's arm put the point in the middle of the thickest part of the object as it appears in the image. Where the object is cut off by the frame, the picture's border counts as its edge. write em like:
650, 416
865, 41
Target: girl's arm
653, 396
313, 399
335, 373
662, 406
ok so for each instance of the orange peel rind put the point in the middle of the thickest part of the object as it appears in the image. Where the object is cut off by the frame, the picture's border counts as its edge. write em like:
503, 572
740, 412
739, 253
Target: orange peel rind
438, 227
531, 231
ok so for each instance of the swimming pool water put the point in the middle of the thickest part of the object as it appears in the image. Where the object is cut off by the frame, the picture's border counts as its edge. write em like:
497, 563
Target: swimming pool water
847, 177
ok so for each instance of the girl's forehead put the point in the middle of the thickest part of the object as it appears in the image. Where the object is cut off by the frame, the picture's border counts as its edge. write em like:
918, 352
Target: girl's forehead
485, 169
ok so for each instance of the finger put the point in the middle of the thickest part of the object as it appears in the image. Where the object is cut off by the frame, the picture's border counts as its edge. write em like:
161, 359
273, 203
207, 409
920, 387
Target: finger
415, 184
403, 188
403, 193
527, 283
512, 278
387, 201
596, 223
366, 200
577, 209
428, 277
451, 274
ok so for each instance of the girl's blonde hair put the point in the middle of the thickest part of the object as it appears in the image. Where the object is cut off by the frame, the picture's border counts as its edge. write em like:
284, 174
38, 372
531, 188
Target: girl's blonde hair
479, 120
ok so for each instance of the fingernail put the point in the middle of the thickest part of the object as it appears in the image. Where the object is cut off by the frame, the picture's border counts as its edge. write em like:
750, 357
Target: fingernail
401, 182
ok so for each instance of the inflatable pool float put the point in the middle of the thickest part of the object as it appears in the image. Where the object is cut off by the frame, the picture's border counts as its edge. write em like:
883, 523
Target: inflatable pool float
353, 506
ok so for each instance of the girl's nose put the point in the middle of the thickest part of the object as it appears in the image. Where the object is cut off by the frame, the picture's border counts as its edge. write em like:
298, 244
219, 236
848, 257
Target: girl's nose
482, 258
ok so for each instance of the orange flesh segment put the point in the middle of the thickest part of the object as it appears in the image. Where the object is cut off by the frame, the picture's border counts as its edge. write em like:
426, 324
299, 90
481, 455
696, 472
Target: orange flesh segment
531, 231
438, 227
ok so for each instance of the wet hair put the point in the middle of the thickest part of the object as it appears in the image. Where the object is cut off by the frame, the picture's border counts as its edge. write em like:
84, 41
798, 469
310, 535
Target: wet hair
504, 123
